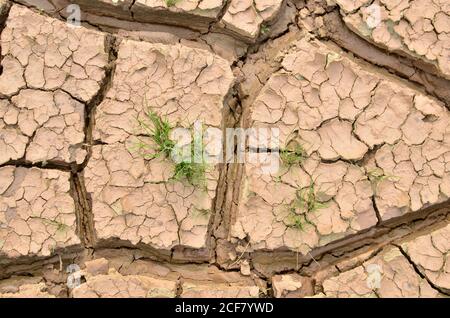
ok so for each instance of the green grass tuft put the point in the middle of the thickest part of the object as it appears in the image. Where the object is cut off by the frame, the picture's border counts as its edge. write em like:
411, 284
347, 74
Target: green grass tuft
293, 154
171, 3
60, 227
296, 221
200, 212
377, 175
307, 200
159, 133
265, 29
304, 204
193, 172
159, 130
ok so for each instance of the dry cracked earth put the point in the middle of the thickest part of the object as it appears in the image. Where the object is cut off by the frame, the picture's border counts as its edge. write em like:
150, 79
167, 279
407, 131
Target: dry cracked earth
363, 86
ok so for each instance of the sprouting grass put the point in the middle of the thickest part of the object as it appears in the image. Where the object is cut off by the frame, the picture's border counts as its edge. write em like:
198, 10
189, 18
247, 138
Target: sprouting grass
296, 221
304, 204
60, 226
377, 175
264, 29
293, 154
193, 172
159, 131
171, 3
307, 199
200, 212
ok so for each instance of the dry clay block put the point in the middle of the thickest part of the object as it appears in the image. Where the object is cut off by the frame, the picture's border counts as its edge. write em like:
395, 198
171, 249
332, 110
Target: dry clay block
196, 14
115, 285
244, 19
419, 29
339, 112
37, 213
291, 286
145, 278
431, 254
28, 291
247, 19
393, 273
50, 71
25, 287
133, 198
193, 14
387, 275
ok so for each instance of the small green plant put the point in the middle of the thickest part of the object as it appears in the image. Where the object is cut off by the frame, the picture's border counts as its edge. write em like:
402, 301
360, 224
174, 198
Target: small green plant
193, 172
296, 221
293, 154
159, 131
264, 29
377, 175
305, 203
171, 3
307, 199
60, 226
200, 212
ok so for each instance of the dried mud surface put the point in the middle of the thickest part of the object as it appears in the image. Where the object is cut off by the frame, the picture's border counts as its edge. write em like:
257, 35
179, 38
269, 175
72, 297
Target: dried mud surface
361, 86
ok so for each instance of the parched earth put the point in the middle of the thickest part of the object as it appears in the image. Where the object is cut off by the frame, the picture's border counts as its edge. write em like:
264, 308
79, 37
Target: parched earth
360, 87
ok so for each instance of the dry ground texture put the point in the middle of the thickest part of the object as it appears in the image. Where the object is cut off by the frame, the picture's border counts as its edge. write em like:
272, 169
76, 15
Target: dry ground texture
359, 89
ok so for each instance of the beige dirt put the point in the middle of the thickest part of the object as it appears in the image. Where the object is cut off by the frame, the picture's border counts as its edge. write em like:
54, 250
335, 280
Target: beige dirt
362, 87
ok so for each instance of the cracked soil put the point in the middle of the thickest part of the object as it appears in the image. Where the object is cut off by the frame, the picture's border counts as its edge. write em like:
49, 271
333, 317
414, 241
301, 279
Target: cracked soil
360, 86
